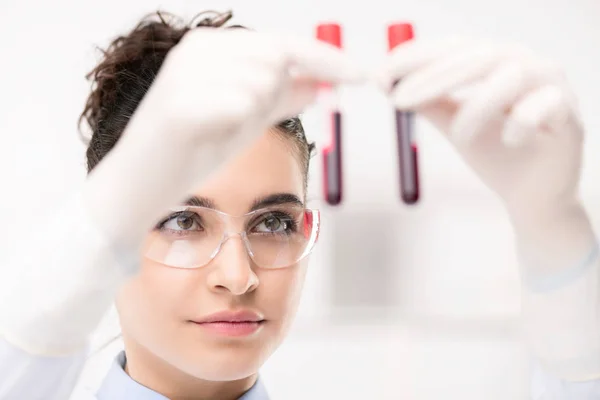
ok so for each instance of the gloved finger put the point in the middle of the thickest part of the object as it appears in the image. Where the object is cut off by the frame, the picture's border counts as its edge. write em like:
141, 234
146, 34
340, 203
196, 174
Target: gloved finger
264, 85
440, 113
257, 84
413, 55
299, 93
447, 75
320, 61
545, 110
494, 96
276, 93
236, 45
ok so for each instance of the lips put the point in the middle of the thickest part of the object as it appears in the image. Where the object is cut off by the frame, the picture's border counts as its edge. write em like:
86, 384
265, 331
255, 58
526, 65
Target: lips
232, 324
231, 317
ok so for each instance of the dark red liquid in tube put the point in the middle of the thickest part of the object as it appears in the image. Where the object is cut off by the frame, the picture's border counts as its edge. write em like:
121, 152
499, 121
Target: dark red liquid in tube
332, 163
407, 149
332, 153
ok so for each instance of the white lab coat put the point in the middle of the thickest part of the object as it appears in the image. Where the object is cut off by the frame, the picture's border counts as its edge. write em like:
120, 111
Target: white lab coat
64, 280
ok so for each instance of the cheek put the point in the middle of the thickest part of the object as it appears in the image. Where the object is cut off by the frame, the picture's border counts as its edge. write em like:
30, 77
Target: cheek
280, 291
155, 297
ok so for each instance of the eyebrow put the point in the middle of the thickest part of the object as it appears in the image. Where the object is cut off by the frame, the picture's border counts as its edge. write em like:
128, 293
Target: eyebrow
275, 200
261, 202
195, 201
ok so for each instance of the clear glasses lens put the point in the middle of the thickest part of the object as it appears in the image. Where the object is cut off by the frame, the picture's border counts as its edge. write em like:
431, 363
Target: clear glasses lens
275, 237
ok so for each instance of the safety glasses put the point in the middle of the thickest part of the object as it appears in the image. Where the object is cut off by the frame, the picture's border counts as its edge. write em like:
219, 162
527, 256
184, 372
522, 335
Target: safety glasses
274, 237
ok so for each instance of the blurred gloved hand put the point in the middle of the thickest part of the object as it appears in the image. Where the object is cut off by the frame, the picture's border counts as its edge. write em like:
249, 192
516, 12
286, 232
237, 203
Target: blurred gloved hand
514, 120
508, 112
218, 90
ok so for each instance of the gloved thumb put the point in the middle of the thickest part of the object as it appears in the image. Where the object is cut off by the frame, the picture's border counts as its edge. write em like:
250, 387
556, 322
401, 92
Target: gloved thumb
440, 113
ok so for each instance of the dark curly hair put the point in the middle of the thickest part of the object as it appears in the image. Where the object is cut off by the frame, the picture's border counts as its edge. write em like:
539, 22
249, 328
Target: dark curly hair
128, 68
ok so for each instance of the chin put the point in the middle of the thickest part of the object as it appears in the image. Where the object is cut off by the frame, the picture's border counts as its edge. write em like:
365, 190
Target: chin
222, 362
225, 371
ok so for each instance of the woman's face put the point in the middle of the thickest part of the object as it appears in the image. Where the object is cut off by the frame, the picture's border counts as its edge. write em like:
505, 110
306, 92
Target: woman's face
160, 308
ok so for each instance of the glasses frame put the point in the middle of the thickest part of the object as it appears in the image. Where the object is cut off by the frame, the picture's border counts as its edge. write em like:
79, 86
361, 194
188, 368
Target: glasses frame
228, 234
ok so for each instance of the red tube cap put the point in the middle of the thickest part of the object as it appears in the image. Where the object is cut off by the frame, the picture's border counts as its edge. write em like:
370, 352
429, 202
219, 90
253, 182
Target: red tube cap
330, 33
399, 33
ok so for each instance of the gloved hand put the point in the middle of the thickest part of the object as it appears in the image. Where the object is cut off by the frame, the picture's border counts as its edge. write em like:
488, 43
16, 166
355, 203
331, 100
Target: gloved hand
509, 113
217, 91
514, 120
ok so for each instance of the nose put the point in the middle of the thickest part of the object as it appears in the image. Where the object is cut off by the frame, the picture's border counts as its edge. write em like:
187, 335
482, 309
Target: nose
232, 269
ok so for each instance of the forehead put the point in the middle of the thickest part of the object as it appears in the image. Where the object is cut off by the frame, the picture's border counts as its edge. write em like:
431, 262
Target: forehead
269, 166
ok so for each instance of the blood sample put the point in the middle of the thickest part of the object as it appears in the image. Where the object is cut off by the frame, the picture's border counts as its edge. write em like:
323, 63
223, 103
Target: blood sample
407, 149
332, 152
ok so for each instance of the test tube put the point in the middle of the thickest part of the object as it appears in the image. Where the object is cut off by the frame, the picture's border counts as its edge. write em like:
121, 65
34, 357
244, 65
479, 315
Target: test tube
332, 152
399, 33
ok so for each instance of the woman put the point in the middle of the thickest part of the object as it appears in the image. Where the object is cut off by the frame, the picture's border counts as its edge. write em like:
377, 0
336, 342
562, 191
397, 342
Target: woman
194, 217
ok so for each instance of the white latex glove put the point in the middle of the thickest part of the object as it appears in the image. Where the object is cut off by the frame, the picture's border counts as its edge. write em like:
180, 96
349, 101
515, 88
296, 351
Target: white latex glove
509, 113
514, 120
217, 91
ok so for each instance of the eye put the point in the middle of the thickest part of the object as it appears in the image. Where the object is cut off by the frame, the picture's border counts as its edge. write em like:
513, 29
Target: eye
275, 224
184, 221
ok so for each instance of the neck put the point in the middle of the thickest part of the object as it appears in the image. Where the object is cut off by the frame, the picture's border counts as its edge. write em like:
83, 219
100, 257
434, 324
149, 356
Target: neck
156, 374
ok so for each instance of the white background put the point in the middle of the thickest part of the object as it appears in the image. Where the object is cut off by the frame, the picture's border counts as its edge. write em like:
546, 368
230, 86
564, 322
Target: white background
435, 311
